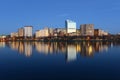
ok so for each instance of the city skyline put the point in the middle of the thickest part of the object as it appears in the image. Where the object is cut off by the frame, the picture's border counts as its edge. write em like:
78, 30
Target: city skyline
15, 14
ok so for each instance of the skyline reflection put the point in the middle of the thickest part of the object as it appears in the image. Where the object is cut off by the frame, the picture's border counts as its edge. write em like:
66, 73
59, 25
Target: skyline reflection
71, 53
70, 50
2, 44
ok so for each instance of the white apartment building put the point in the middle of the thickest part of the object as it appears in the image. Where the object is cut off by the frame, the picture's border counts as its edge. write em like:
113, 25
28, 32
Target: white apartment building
28, 31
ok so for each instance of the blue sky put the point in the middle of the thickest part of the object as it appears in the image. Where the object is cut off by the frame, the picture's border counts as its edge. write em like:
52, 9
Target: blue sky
105, 14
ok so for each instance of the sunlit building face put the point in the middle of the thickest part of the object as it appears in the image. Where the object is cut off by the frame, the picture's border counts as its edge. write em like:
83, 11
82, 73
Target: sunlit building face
28, 31
70, 26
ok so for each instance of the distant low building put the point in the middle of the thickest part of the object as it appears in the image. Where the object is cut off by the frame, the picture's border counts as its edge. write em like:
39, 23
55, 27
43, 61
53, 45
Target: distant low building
72, 34
3, 36
99, 32
78, 32
42, 33
104, 33
14, 34
59, 31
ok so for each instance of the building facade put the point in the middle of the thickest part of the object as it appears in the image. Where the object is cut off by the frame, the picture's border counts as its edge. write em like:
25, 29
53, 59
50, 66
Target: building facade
99, 32
21, 32
78, 33
14, 34
51, 32
104, 33
87, 29
70, 26
28, 31
60, 31
42, 33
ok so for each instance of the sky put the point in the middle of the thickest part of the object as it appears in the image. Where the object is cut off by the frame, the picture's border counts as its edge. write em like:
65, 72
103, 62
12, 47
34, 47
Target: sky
14, 14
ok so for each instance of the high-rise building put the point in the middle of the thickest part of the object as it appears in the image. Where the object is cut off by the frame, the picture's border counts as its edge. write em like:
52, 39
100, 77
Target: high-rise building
21, 32
70, 26
87, 29
28, 31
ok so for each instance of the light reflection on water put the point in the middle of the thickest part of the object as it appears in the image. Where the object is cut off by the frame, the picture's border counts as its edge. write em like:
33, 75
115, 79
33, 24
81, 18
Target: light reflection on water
70, 50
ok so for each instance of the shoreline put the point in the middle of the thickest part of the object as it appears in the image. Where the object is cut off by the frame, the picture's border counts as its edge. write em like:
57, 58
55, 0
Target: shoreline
61, 41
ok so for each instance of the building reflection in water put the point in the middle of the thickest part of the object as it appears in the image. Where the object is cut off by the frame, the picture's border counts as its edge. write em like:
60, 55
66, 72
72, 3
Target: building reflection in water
50, 48
87, 49
14, 45
22, 47
28, 49
43, 48
100, 47
2, 44
70, 50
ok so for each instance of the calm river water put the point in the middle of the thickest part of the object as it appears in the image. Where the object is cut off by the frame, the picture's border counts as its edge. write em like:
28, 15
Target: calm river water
59, 61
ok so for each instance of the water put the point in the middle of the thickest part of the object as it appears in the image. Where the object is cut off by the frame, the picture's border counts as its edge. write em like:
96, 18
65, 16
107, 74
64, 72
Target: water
59, 61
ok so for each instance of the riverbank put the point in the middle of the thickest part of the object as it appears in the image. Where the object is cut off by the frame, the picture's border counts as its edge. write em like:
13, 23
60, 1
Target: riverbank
61, 40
